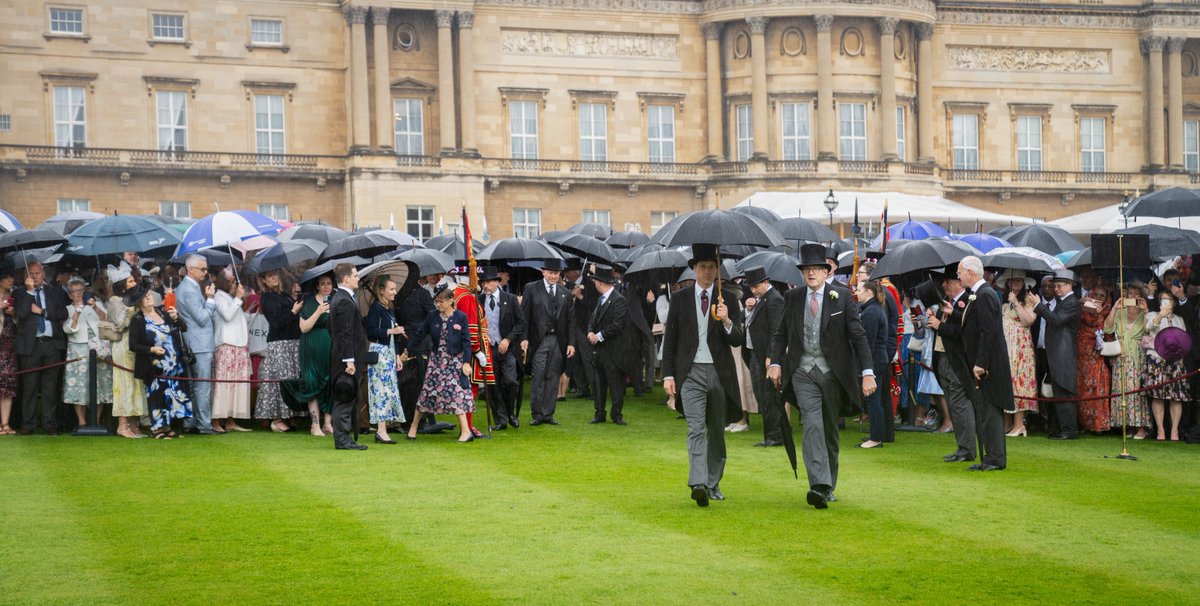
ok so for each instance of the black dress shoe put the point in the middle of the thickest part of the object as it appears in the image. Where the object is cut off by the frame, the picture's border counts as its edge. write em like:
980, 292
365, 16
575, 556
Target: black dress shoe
534, 423
549, 421
957, 458
769, 443
976, 467
595, 420
818, 499
619, 421
515, 423
499, 427
353, 447
715, 493
561, 399
381, 440
700, 495
990, 467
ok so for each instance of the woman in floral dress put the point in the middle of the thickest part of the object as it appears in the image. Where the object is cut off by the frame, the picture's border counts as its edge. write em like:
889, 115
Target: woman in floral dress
383, 388
447, 388
1018, 317
1128, 323
155, 340
1158, 371
82, 328
129, 394
8, 356
1094, 380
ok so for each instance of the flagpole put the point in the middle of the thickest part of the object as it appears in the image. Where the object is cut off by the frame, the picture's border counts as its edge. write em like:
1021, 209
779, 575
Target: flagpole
854, 235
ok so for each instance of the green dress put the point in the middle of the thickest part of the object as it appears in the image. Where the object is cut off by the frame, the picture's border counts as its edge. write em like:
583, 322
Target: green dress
314, 358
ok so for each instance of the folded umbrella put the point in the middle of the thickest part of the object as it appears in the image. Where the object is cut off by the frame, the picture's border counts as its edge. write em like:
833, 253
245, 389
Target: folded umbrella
284, 255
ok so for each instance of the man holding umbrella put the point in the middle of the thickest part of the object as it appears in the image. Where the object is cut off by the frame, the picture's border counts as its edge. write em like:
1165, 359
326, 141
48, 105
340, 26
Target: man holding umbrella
701, 328
821, 349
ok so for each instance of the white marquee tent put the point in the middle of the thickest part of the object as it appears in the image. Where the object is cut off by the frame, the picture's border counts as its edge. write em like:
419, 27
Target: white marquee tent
901, 207
1109, 219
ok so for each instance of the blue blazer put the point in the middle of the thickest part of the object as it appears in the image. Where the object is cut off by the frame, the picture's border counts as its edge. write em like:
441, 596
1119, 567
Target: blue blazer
458, 337
197, 312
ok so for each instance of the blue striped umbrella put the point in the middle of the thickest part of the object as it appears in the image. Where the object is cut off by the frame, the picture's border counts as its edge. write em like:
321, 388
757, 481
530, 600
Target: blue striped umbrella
226, 227
9, 222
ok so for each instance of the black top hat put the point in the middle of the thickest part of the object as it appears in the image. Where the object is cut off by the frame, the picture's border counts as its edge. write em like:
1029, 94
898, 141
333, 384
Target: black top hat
602, 273
874, 255
553, 264
489, 272
755, 275
831, 254
703, 252
345, 388
813, 254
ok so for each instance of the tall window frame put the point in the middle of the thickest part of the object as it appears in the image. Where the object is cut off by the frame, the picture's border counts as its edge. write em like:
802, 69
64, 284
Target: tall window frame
795, 130
418, 221
527, 222
965, 141
660, 133
523, 129
1029, 142
593, 131
1093, 144
270, 125
852, 131
408, 122
1191, 145
744, 129
171, 111
901, 133
70, 116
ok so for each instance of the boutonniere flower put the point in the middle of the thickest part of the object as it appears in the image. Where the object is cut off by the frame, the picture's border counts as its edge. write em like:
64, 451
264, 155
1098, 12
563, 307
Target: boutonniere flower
457, 327
971, 298
833, 295
961, 304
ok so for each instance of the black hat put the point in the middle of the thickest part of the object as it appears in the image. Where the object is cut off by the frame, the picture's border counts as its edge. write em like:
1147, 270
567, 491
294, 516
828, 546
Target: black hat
553, 264
874, 255
133, 297
489, 272
831, 254
345, 388
702, 252
812, 254
756, 275
601, 273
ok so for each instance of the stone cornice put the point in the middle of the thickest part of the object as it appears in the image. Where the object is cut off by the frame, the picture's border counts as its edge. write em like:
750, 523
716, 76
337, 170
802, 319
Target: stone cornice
679, 7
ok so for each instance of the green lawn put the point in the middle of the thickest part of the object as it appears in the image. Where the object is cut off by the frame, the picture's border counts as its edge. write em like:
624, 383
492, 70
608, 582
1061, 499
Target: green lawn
588, 514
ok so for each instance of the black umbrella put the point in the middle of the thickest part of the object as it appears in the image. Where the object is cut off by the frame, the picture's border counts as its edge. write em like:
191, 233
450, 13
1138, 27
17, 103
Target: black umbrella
216, 256
765, 214
1010, 260
919, 255
1082, 258
1167, 241
518, 249
25, 239
780, 267
1047, 238
402, 238
806, 230
312, 231
284, 254
720, 227
168, 220
627, 239
583, 246
428, 261
66, 223
327, 267
453, 245
45, 256
1167, 203
665, 263
554, 233
629, 255
594, 230
360, 245
1002, 232
121, 233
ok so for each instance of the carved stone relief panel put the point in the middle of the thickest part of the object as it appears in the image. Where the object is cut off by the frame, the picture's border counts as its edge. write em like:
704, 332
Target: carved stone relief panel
608, 45
1026, 59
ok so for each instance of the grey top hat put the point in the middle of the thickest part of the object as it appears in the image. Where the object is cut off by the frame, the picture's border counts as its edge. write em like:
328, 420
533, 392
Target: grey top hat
1065, 275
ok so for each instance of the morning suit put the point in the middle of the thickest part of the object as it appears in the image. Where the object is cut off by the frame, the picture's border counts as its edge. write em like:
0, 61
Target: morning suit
1062, 356
955, 376
823, 361
985, 347
199, 314
40, 341
608, 322
761, 324
504, 321
705, 379
349, 342
581, 370
548, 329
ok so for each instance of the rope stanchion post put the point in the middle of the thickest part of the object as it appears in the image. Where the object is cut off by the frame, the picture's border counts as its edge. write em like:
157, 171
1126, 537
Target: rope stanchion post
93, 427
1120, 363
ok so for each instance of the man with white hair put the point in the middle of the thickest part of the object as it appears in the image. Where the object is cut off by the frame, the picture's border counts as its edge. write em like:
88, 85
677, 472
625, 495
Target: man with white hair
194, 302
987, 355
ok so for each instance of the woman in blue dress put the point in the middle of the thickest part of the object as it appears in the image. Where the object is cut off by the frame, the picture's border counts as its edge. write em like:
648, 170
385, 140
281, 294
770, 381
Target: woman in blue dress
447, 388
382, 386
154, 338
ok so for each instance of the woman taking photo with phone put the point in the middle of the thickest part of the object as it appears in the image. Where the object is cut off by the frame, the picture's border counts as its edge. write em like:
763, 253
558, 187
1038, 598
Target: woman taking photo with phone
1127, 321
82, 327
1158, 370
314, 356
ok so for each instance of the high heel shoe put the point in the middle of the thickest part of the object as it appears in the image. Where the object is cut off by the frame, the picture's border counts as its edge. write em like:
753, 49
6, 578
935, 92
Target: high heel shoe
380, 440
469, 439
1024, 432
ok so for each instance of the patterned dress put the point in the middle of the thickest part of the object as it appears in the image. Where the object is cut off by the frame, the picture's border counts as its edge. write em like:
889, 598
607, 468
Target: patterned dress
167, 397
129, 394
383, 388
1127, 369
76, 378
1094, 379
1020, 360
443, 393
282, 360
8, 357
1158, 370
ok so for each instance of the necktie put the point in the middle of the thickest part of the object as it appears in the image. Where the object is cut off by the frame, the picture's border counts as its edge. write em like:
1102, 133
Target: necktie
41, 301
813, 307
492, 301
704, 302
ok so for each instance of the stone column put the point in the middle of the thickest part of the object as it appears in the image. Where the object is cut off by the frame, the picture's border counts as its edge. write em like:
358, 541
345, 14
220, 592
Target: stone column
446, 108
384, 119
924, 116
758, 77
827, 136
1153, 47
887, 86
360, 109
716, 103
1175, 102
466, 81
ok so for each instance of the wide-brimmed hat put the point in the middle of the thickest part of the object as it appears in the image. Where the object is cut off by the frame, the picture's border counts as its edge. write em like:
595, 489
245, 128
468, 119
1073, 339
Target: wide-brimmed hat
1019, 274
813, 255
1172, 343
755, 275
553, 264
133, 297
702, 252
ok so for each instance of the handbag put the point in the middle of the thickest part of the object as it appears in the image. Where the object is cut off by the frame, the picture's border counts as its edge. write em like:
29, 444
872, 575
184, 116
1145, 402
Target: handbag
186, 355
916, 344
1047, 390
1109, 345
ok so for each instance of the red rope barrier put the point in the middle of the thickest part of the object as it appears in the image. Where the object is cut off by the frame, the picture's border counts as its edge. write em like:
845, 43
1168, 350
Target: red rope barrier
39, 368
182, 378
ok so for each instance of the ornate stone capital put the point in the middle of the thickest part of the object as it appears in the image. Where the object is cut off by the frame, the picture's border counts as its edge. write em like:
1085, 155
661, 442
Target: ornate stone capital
355, 15
758, 25
1175, 45
379, 15
887, 26
924, 32
1153, 44
466, 19
824, 22
712, 31
444, 18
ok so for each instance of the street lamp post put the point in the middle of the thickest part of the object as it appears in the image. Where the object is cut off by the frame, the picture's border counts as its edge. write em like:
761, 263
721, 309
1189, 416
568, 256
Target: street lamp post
831, 204
1124, 207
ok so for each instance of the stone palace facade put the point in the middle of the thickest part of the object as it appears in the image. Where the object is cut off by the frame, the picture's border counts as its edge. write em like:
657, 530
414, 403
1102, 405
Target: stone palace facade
537, 114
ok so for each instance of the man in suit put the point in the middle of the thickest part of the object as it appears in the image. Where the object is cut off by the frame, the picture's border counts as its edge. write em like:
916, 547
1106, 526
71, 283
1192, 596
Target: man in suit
547, 310
950, 365
763, 314
986, 352
196, 308
347, 352
1062, 355
583, 302
640, 353
698, 363
820, 348
40, 311
605, 333
505, 326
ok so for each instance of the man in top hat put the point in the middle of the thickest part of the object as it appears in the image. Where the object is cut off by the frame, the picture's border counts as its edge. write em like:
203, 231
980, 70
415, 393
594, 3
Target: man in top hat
505, 325
347, 354
698, 363
546, 342
763, 314
990, 388
820, 352
40, 310
605, 329
950, 365
1062, 356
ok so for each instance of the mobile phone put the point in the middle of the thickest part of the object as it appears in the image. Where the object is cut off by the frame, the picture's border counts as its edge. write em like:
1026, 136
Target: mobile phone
87, 298
1130, 302
1177, 283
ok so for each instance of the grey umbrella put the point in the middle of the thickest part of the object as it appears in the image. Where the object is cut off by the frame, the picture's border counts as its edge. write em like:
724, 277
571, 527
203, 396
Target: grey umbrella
1166, 203
594, 230
428, 261
627, 239
66, 223
518, 249
765, 214
1167, 241
1047, 238
796, 229
312, 231
919, 255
